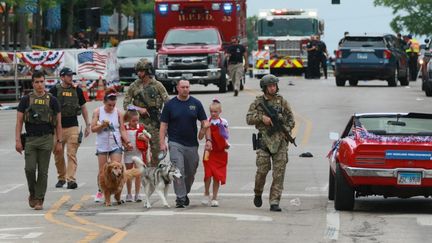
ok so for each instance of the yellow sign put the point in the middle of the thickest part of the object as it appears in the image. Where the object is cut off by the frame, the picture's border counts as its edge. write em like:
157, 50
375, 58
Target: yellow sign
67, 94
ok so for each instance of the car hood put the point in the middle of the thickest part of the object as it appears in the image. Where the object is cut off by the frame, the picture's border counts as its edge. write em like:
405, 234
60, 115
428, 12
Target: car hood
129, 62
186, 49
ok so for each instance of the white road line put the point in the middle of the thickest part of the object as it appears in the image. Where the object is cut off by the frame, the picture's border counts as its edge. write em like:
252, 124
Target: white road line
197, 185
22, 215
423, 220
332, 230
317, 189
239, 217
22, 228
9, 187
242, 128
32, 235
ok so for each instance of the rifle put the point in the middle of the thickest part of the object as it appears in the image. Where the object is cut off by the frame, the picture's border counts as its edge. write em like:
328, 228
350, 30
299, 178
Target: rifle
277, 123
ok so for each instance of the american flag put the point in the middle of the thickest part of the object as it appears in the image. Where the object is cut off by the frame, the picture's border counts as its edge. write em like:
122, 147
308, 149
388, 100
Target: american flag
91, 61
359, 129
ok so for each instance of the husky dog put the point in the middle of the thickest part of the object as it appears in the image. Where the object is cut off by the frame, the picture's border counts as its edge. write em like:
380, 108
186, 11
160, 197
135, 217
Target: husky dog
156, 179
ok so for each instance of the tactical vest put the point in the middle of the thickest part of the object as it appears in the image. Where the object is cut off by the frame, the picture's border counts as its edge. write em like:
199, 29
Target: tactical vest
148, 97
69, 102
39, 110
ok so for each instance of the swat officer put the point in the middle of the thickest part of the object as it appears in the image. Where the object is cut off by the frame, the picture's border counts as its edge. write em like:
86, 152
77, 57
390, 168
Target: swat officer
272, 116
40, 112
148, 96
72, 103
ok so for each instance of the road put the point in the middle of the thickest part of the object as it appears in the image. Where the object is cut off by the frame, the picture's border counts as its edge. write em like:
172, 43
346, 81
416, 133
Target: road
319, 106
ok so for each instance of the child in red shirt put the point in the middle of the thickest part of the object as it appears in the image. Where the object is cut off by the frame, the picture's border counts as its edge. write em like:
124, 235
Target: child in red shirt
215, 161
139, 138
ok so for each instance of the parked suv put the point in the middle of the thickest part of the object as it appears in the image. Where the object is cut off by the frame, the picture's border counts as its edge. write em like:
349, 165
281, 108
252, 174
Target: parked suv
368, 57
128, 54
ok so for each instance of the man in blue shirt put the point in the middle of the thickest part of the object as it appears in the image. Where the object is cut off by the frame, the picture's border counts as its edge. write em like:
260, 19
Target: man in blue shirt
179, 118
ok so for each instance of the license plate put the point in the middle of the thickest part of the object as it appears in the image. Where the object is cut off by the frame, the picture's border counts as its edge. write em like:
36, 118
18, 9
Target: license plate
187, 75
409, 178
362, 56
262, 71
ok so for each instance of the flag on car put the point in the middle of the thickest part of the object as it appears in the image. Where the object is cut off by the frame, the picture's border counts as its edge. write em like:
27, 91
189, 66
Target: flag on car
91, 61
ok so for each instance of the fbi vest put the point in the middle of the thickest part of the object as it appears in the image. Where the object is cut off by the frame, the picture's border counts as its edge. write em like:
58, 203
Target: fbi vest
39, 110
69, 102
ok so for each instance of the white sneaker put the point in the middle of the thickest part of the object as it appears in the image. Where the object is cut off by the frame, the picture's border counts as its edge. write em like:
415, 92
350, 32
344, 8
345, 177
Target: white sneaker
138, 198
206, 201
98, 197
129, 198
214, 203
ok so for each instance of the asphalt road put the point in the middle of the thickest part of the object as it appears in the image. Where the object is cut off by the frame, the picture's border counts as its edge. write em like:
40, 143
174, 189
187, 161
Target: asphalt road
320, 107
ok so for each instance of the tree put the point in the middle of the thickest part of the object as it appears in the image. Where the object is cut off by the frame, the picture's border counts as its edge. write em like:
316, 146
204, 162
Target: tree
412, 16
250, 32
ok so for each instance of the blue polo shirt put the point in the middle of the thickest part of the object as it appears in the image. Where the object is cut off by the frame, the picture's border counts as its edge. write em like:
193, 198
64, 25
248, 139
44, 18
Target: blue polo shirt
181, 117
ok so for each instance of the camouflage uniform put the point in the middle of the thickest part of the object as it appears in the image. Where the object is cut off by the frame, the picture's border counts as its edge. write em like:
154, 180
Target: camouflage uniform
150, 96
274, 146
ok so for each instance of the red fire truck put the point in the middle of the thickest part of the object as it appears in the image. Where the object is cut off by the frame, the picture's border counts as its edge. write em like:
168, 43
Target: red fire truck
190, 39
284, 33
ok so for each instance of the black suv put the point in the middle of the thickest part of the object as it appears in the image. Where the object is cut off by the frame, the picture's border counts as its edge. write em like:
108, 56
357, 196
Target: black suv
368, 57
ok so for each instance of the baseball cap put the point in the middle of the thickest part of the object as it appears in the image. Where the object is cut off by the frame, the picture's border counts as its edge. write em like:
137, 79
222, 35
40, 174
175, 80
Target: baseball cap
67, 71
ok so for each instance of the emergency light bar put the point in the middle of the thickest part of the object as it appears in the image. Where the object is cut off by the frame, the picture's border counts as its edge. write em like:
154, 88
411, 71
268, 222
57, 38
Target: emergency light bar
175, 7
216, 6
163, 9
228, 8
286, 12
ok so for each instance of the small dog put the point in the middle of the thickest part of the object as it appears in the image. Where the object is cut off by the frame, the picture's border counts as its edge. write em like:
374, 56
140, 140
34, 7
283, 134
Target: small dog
156, 179
113, 178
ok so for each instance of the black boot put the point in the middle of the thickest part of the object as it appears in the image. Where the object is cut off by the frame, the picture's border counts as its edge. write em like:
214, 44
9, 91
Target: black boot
257, 201
275, 208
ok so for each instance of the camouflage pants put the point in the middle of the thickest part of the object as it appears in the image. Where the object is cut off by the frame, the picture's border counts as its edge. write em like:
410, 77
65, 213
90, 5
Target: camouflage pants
154, 143
264, 163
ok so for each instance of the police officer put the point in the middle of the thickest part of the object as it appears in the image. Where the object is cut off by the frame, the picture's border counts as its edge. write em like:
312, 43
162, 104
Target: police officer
313, 71
72, 103
413, 49
40, 112
236, 65
322, 54
148, 96
273, 143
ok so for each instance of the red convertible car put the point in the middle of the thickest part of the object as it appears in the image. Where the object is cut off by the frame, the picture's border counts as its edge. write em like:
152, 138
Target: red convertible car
388, 154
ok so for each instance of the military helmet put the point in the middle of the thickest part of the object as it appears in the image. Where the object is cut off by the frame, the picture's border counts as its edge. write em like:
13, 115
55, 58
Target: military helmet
144, 65
268, 79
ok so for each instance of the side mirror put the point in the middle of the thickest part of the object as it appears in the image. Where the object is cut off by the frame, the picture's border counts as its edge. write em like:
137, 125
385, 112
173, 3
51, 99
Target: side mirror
151, 44
321, 26
426, 41
334, 136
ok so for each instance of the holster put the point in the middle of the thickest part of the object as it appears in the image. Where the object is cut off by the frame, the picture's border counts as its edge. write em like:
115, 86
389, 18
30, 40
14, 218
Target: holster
256, 141
80, 136
23, 140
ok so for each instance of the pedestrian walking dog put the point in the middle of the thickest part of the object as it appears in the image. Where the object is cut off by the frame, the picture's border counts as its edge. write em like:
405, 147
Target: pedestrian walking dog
156, 179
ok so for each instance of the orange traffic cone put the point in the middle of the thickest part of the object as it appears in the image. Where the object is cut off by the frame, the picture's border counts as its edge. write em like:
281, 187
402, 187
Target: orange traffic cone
84, 89
100, 93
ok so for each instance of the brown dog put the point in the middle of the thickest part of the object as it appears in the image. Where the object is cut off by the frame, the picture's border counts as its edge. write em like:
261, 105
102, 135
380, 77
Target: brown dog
113, 178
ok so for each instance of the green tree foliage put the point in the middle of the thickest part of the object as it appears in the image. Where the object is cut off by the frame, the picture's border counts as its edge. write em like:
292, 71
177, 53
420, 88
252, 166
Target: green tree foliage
413, 16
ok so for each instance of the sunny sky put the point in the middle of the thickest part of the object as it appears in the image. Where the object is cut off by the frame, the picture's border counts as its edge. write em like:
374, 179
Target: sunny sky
355, 16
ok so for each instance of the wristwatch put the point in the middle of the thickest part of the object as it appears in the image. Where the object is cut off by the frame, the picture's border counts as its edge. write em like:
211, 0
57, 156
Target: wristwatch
59, 141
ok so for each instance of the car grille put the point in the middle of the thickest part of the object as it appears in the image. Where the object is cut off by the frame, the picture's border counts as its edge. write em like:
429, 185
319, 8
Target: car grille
187, 62
126, 72
288, 48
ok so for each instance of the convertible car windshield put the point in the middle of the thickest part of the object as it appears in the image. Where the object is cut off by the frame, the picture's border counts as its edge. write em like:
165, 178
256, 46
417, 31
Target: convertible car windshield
394, 125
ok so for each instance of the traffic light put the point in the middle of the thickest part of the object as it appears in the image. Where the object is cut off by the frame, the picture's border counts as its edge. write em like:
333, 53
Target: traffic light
335, 2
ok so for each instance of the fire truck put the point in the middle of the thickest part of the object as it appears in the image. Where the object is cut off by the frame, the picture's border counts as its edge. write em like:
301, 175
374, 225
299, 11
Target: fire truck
282, 38
191, 36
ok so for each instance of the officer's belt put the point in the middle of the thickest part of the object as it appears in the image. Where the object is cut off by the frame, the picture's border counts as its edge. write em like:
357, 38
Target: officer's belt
39, 133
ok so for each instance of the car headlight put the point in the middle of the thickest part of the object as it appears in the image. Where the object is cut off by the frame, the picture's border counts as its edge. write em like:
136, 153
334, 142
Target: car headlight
421, 61
162, 62
214, 60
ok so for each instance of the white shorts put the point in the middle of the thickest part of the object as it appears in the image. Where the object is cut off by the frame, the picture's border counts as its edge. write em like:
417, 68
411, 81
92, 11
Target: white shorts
128, 155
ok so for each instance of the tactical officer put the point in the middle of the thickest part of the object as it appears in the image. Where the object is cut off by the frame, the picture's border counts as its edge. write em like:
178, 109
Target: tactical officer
72, 103
148, 96
272, 116
40, 112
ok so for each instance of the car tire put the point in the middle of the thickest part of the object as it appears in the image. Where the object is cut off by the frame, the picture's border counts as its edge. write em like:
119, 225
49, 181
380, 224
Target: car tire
340, 82
392, 81
428, 88
223, 82
344, 193
353, 82
404, 80
331, 186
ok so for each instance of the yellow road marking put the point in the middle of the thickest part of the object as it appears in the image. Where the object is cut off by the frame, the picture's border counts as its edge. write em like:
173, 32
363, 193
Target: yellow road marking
308, 130
118, 233
49, 216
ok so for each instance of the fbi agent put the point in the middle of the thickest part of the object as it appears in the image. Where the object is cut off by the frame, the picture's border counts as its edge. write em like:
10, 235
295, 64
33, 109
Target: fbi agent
40, 112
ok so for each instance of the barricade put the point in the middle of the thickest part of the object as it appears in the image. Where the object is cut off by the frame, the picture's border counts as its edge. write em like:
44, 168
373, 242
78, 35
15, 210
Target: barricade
84, 89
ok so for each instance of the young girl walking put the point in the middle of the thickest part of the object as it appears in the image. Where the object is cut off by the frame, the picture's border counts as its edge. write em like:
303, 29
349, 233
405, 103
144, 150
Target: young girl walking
139, 139
215, 160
